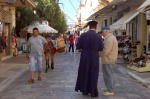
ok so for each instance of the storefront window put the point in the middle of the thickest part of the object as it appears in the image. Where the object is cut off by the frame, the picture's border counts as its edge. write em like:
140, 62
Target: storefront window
7, 38
135, 32
148, 37
1, 27
134, 29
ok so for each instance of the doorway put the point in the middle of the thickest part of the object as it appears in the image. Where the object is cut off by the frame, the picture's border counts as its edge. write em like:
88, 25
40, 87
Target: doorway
7, 34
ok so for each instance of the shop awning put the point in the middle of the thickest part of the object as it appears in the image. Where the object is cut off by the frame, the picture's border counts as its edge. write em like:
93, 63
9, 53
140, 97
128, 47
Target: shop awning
144, 5
121, 23
106, 9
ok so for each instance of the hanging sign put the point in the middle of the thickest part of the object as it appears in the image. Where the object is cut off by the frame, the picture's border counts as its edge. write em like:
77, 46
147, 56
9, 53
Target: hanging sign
148, 15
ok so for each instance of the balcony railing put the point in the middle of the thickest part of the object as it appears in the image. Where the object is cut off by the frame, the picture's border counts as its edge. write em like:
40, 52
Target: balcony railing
5, 16
8, 1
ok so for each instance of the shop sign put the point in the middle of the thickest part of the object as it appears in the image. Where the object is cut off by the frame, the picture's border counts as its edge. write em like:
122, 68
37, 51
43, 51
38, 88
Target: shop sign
148, 15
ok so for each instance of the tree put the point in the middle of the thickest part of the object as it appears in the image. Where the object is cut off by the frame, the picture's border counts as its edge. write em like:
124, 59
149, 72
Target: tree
45, 10
26, 17
51, 12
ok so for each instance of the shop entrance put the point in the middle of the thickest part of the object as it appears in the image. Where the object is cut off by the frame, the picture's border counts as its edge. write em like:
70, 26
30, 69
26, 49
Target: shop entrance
6, 34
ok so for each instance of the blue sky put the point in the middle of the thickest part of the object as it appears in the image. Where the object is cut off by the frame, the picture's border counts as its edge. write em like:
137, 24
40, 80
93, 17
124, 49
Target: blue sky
68, 9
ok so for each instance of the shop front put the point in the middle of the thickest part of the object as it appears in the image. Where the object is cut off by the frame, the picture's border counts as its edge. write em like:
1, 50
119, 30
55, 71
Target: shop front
132, 29
141, 61
8, 22
5, 22
135, 44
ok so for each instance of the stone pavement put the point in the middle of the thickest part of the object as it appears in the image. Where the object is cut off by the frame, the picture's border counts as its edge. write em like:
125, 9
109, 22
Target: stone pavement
60, 82
11, 68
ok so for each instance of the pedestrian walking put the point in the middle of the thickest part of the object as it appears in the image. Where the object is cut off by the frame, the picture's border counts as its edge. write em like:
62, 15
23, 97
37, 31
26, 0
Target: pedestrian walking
1, 47
36, 42
71, 40
13, 44
76, 40
90, 44
66, 42
109, 57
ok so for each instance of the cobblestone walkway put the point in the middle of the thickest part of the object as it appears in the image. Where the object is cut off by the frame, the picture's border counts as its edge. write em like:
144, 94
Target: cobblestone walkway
60, 82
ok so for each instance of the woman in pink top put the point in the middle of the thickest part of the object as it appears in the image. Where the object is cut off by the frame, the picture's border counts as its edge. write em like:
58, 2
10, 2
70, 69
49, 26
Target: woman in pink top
77, 38
71, 39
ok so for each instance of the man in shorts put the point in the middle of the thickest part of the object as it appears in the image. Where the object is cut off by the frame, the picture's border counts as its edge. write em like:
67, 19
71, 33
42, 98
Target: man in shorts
36, 42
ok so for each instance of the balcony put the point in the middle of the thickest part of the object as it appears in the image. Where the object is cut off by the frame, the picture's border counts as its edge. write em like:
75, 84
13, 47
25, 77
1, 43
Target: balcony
8, 1
25, 3
105, 2
19, 3
5, 16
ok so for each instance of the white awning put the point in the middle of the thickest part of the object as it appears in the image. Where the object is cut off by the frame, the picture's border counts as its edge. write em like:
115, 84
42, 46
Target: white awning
144, 5
106, 9
121, 23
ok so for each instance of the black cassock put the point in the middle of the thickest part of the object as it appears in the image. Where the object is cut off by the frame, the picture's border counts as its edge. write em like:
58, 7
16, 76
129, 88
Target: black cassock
90, 44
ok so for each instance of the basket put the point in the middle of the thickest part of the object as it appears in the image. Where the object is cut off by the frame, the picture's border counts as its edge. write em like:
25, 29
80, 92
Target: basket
60, 43
61, 50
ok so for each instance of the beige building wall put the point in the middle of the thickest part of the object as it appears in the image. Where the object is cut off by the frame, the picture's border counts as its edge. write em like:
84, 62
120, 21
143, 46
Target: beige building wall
12, 11
99, 25
144, 29
9, 25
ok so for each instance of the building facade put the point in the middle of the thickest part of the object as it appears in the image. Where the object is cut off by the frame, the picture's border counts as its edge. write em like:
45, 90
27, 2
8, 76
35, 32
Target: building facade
8, 19
89, 7
128, 20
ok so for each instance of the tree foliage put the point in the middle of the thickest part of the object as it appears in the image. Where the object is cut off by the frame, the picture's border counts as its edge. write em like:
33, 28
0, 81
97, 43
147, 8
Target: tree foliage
45, 10
25, 18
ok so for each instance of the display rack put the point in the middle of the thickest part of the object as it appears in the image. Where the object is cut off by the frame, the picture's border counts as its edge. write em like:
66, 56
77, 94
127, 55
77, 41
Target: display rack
136, 52
145, 65
140, 69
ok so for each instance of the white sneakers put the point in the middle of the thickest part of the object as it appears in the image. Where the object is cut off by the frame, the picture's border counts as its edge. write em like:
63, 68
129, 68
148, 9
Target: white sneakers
106, 93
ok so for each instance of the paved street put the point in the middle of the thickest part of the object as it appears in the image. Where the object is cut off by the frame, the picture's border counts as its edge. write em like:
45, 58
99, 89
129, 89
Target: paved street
60, 82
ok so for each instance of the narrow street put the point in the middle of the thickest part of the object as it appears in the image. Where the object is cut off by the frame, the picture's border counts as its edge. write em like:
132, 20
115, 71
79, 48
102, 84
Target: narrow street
60, 82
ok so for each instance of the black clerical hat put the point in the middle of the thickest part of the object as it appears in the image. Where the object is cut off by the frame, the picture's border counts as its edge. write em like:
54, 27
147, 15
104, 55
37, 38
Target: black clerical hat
92, 24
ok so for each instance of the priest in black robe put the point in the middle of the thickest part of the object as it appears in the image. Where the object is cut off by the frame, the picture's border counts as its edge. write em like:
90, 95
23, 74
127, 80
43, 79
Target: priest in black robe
90, 43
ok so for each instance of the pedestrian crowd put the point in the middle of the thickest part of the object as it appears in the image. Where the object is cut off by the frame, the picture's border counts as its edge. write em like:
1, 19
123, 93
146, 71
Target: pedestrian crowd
92, 46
